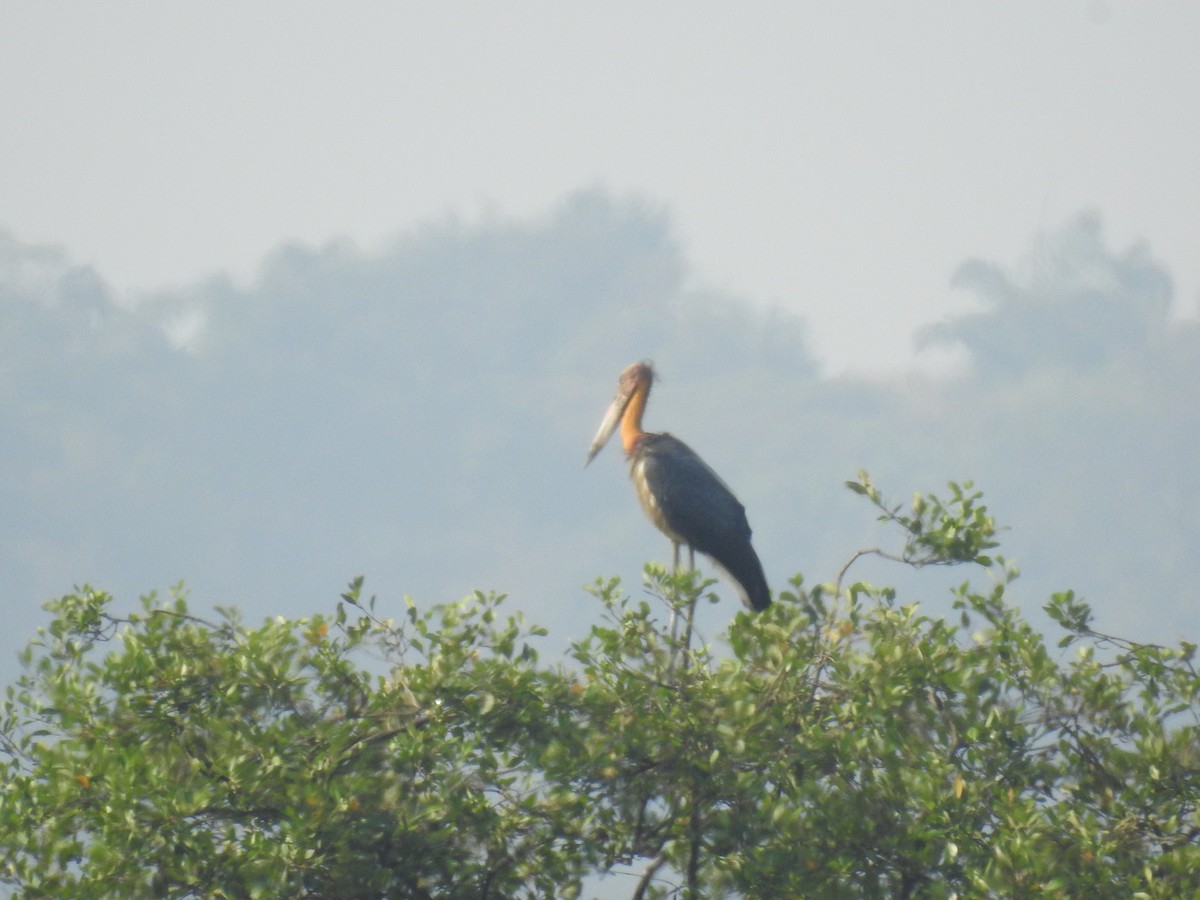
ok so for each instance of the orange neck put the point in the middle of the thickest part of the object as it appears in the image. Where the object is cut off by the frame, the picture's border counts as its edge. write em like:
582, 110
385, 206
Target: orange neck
631, 421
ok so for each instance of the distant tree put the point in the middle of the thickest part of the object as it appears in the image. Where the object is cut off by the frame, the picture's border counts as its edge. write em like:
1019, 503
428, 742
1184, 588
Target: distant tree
841, 744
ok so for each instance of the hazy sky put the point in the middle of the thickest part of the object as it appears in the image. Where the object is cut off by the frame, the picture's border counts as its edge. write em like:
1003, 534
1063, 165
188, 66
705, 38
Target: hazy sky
838, 159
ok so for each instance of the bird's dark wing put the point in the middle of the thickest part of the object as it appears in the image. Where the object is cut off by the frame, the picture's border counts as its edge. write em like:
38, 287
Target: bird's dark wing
692, 499
699, 508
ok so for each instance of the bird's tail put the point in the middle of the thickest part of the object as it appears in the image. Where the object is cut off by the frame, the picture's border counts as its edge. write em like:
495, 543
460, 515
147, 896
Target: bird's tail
743, 567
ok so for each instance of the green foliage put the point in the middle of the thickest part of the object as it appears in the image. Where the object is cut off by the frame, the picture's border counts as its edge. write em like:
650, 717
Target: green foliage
937, 532
839, 745
162, 755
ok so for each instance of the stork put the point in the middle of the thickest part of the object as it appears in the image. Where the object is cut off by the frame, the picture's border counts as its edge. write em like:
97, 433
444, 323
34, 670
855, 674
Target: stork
682, 496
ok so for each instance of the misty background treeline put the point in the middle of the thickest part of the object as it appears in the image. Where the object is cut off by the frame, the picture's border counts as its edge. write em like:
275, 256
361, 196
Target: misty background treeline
418, 414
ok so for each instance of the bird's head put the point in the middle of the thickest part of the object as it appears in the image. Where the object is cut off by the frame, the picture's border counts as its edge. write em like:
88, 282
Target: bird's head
634, 380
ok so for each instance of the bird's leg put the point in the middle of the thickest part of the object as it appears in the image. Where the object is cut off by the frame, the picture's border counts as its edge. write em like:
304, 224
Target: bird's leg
691, 610
674, 600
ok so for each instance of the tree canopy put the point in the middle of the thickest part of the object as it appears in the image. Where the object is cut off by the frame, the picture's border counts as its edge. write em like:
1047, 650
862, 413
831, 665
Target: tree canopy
841, 744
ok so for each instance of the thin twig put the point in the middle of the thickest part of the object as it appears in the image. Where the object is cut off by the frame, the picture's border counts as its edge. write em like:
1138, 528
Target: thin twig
873, 551
651, 870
